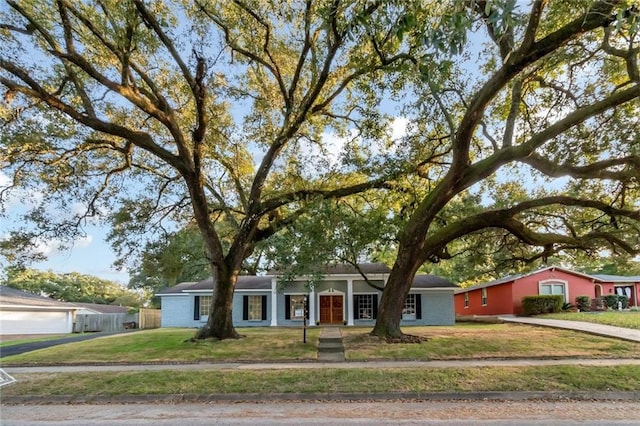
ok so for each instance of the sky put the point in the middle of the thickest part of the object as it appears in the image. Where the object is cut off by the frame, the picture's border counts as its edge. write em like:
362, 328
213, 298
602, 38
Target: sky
90, 255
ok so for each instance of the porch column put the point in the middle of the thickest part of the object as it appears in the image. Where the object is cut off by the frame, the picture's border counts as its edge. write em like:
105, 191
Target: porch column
349, 301
274, 302
312, 307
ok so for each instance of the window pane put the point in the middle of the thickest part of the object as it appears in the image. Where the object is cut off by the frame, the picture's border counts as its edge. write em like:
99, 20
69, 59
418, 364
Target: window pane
205, 306
296, 306
255, 308
409, 311
545, 289
365, 306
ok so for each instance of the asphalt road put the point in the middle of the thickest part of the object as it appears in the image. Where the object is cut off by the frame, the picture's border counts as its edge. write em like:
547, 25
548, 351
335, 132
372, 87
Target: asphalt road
28, 347
463, 413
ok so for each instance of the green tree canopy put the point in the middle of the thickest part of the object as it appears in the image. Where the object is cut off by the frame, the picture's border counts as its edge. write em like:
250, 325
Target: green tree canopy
533, 156
71, 287
158, 114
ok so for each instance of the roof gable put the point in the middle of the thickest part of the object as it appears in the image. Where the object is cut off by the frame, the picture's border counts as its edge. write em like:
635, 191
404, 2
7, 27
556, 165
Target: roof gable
511, 278
10, 296
102, 308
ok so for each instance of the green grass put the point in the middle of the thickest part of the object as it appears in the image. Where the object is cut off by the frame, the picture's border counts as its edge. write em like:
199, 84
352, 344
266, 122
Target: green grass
171, 345
366, 380
627, 319
270, 344
478, 341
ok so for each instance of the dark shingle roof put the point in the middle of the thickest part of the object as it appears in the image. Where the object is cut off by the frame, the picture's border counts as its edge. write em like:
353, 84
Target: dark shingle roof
431, 281
617, 278
14, 297
253, 282
245, 282
102, 308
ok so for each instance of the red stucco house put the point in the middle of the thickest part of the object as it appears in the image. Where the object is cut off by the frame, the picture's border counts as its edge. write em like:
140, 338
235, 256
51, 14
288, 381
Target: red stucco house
504, 296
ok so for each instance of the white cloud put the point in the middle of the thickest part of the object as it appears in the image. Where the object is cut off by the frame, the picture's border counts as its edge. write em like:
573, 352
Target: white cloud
399, 127
54, 246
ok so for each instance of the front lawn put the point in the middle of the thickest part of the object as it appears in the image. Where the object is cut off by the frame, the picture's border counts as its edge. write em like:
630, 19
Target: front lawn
627, 319
465, 341
360, 380
479, 341
171, 345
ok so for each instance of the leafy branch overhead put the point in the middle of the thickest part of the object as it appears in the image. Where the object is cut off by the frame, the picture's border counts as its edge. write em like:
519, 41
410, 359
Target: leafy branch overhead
162, 114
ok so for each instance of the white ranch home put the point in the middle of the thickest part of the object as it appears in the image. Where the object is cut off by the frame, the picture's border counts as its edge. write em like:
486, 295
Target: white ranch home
22, 312
342, 297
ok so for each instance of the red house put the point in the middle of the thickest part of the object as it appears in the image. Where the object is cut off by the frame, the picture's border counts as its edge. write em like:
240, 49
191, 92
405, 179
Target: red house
504, 296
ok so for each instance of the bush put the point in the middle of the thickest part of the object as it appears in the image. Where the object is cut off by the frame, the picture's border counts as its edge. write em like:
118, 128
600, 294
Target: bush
611, 300
583, 303
544, 304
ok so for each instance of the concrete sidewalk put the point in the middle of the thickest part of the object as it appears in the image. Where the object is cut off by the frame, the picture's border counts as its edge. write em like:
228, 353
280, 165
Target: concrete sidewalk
527, 362
586, 327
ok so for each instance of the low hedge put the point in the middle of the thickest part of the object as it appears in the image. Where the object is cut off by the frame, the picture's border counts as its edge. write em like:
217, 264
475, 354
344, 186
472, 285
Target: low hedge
611, 301
543, 304
583, 303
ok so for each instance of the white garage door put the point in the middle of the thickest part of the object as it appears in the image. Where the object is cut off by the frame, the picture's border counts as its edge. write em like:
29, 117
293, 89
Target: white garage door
34, 322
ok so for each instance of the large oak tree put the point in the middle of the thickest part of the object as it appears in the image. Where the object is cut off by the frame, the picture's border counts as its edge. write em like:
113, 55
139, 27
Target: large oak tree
158, 114
552, 94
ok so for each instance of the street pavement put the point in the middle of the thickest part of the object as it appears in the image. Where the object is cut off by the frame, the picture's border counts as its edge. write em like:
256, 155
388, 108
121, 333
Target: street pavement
410, 412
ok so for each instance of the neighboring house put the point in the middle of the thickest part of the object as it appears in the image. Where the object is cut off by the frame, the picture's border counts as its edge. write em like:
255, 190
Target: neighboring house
27, 313
342, 296
99, 308
504, 296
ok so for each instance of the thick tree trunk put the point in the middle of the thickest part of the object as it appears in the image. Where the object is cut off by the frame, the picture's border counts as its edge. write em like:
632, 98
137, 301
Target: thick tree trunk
394, 294
220, 322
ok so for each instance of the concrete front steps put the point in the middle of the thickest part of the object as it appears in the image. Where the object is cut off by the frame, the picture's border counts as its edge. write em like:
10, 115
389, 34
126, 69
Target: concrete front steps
330, 347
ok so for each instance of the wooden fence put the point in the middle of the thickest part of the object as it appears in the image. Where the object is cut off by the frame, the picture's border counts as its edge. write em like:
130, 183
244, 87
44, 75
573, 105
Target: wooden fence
149, 318
146, 318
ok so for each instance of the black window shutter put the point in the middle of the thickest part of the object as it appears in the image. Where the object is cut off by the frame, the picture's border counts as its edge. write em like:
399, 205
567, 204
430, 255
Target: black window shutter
418, 306
264, 308
375, 306
196, 308
287, 306
245, 308
356, 307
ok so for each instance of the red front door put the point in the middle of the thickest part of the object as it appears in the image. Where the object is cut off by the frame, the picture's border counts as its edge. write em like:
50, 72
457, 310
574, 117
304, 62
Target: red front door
331, 309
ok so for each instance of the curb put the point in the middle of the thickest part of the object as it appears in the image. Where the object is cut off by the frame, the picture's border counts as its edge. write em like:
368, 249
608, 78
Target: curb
318, 397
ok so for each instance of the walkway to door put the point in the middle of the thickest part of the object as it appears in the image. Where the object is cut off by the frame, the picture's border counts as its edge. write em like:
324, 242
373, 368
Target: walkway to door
330, 347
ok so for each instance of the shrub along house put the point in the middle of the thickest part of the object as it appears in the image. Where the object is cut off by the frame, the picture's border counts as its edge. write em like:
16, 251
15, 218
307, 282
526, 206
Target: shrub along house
342, 296
504, 296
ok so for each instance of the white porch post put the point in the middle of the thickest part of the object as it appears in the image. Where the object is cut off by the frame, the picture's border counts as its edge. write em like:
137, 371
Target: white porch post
312, 307
274, 302
349, 301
